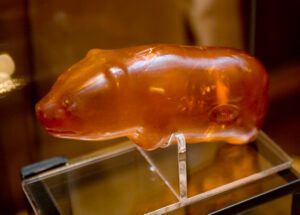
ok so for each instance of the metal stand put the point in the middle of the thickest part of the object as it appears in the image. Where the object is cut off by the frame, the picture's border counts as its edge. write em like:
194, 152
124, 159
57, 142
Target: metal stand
181, 191
182, 170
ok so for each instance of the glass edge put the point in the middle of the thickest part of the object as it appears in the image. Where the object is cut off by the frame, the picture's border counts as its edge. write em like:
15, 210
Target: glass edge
272, 146
79, 163
28, 196
159, 173
219, 190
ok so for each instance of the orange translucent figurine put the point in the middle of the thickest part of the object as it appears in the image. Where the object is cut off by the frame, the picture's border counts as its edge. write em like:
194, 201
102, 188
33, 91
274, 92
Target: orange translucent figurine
149, 92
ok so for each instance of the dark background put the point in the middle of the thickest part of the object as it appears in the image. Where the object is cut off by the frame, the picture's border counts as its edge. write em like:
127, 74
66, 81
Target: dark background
45, 37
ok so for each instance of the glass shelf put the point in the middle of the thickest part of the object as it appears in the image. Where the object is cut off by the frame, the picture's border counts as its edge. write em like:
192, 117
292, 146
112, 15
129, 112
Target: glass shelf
124, 179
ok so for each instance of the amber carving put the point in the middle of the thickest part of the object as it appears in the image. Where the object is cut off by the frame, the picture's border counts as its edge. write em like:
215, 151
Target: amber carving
149, 92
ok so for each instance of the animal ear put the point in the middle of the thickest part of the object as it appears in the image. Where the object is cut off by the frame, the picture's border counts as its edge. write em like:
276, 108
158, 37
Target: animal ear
93, 52
224, 114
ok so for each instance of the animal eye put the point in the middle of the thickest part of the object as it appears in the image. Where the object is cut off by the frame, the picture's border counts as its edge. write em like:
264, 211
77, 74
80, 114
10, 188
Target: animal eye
67, 102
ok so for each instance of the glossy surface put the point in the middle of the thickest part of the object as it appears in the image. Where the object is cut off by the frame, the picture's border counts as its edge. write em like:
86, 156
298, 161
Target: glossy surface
149, 92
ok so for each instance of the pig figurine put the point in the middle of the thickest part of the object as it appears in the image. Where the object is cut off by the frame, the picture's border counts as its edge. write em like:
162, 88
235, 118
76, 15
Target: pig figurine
149, 92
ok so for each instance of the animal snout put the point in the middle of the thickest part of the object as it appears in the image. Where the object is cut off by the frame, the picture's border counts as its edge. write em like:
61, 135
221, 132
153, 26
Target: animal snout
50, 115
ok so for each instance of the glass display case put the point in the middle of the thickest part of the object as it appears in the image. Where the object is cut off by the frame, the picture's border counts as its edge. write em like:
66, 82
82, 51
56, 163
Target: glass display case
124, 179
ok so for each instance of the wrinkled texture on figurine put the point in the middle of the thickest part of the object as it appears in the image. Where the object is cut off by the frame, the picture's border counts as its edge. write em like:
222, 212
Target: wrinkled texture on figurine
149, 92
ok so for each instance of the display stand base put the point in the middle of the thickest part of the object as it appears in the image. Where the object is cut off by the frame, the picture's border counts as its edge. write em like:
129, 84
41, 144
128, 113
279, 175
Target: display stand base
128, 180
180, 188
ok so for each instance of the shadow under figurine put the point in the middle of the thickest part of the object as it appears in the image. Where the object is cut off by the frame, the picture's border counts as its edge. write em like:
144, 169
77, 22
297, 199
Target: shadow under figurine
149, 92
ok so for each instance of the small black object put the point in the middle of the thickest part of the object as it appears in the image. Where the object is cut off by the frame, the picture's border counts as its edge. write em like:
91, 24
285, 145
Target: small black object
44, 198
42, 166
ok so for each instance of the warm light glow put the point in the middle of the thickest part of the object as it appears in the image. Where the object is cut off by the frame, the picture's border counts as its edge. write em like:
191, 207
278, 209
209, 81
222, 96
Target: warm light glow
158, 90
7, 68
222, 92
94, 83
116, 72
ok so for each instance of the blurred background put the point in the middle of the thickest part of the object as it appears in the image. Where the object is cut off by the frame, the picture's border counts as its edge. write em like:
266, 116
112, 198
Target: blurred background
46, 37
